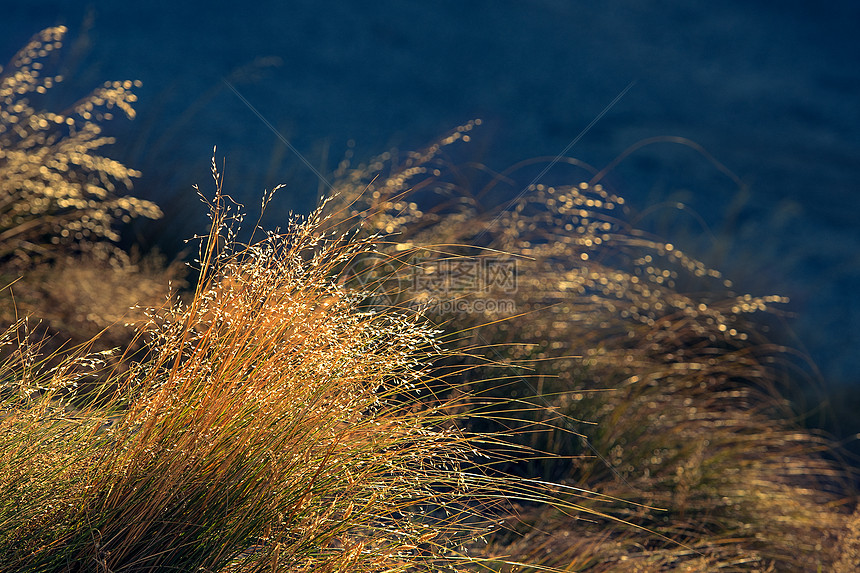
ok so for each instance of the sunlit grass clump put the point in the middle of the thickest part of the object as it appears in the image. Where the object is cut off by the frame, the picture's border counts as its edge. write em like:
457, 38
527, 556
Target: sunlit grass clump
273, 427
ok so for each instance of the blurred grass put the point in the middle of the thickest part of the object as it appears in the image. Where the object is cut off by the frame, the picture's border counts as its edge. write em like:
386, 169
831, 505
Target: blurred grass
676, 396
61, 207
56, 190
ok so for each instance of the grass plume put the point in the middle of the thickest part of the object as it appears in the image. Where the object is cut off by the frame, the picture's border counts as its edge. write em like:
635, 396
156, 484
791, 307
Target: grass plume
55, 189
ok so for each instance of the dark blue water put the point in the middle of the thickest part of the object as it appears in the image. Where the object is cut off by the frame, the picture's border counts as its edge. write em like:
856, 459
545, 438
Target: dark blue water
770, 89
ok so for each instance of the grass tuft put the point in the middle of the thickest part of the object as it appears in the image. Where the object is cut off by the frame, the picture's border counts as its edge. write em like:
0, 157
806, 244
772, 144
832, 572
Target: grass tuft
273, 425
